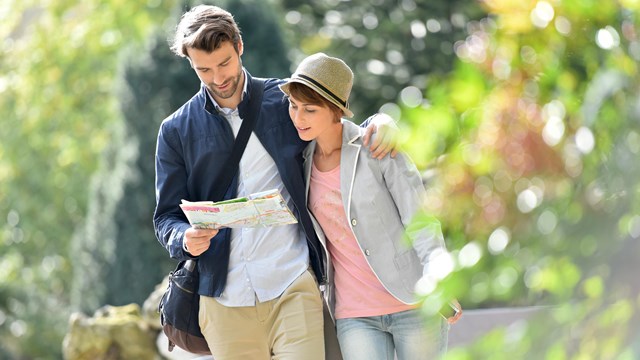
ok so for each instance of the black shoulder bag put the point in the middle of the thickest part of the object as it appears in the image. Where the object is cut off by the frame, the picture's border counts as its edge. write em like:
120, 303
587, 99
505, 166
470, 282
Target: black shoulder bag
180, 303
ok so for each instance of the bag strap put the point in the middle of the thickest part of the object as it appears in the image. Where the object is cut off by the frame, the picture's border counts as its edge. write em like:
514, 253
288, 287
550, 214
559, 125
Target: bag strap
249, 121
230, 167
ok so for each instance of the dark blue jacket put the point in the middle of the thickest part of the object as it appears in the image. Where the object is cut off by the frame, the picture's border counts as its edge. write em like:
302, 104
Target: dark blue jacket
193, 144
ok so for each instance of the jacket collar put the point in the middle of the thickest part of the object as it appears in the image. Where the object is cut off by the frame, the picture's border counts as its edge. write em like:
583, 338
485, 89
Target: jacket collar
351, 133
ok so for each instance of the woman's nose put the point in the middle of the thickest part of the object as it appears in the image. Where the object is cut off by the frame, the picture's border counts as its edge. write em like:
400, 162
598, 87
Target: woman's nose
295, 115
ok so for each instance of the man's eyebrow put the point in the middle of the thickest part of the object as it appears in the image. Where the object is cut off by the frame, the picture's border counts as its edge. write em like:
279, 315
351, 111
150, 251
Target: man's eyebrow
220, 63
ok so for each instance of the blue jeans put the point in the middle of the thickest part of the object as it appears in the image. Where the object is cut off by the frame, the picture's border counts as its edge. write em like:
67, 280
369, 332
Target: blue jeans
407, 334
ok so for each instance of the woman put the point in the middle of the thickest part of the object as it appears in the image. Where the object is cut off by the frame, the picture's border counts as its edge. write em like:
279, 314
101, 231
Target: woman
363, 207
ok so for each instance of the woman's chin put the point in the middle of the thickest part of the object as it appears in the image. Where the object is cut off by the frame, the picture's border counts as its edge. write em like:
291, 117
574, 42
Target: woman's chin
305, 135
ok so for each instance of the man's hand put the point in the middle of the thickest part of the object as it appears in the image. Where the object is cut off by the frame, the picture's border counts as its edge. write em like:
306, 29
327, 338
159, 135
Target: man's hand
387, 134
197, 241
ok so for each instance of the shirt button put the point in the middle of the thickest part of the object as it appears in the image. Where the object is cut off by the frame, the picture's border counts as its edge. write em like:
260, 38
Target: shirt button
366, 252
354, 222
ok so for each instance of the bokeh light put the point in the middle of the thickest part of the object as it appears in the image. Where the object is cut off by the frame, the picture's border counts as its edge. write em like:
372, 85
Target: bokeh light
607, 38
470, 254
498, 240
547, 222
542, 14
441, 264
585, 140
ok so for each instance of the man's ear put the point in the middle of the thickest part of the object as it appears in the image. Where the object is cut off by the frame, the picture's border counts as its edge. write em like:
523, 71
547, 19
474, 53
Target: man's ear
190, 63
240, 47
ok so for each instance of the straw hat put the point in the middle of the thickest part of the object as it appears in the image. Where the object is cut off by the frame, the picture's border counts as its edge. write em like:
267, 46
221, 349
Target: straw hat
328, 76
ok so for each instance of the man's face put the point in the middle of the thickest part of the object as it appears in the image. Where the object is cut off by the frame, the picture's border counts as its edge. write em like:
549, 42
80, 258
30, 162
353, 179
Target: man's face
221, 71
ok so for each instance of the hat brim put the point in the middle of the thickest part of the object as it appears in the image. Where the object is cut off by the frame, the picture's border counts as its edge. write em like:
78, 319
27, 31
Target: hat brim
285, 88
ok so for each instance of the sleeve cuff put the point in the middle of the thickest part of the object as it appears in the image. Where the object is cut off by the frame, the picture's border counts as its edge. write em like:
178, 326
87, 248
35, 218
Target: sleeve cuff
184, 247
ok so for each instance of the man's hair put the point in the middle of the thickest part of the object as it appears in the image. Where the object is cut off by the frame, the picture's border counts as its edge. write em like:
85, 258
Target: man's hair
307, 95
205, 27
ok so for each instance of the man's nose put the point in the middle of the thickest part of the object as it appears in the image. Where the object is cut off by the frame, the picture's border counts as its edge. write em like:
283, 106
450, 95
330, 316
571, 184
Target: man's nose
218, 79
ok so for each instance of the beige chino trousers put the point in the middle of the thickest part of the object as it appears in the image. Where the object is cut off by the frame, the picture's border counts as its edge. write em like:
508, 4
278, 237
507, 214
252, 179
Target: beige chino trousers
289, 327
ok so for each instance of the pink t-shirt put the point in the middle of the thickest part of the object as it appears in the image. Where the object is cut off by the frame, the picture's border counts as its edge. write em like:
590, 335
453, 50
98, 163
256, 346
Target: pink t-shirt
359, 293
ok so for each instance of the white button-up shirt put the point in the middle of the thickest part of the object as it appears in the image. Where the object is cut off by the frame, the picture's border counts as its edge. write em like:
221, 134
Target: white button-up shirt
264, 261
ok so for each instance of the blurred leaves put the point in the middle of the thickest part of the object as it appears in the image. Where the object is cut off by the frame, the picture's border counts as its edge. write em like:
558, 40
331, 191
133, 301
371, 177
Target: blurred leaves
57, 65
391, 46
539, 167
524, 117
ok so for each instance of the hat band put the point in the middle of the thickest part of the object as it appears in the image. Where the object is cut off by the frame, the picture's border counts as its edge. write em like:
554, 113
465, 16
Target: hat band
334, 96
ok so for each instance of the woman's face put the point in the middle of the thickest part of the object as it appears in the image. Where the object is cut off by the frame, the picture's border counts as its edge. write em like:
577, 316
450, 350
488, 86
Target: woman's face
311, 120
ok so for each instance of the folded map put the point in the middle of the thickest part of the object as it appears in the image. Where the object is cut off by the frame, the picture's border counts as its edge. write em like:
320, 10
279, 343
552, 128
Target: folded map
262, 209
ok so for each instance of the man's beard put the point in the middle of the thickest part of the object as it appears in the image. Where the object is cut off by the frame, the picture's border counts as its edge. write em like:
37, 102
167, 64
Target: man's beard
229, 91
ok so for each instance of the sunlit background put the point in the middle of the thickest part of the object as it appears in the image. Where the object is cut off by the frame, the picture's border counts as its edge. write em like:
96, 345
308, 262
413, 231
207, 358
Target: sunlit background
523, 115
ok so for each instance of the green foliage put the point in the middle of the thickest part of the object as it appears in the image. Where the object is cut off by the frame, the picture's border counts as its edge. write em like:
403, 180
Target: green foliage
529, 135
392, 46
57, 62
533, 138
265, 51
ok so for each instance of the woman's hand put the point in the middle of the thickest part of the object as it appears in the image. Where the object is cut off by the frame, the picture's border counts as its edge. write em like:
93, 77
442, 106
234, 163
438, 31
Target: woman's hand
457, 312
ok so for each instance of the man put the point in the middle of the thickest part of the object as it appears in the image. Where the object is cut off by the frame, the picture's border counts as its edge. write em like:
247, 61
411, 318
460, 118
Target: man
258, 286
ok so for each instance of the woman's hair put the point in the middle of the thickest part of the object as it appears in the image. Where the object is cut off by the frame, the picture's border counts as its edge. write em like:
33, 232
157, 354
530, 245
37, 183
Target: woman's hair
205, 27
305, 94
